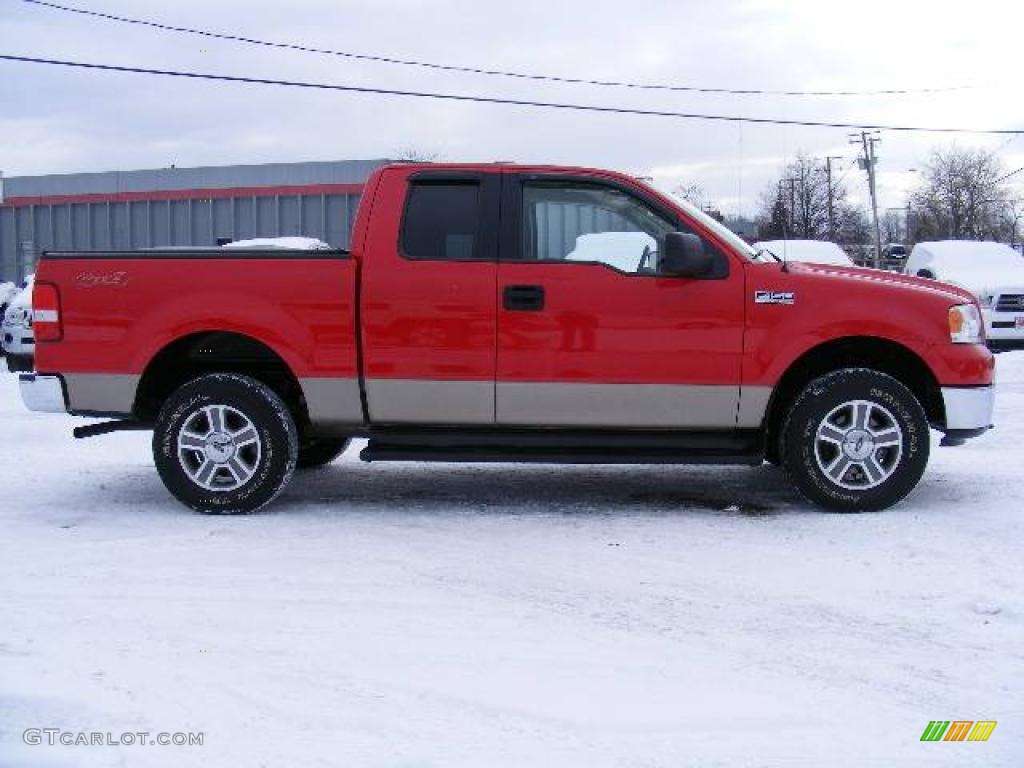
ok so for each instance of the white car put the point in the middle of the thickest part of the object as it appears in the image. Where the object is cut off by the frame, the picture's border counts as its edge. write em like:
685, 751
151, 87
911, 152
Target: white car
993, 272
812, 251
18, 340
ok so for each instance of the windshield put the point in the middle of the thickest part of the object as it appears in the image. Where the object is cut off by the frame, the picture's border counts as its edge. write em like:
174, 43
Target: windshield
717, 227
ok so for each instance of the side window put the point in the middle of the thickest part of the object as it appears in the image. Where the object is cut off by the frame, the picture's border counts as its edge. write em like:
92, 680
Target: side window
442, 221
566, 221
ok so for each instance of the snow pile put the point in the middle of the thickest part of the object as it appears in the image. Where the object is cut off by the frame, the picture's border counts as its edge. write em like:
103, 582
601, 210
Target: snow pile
286, 243
7, 292
812, 251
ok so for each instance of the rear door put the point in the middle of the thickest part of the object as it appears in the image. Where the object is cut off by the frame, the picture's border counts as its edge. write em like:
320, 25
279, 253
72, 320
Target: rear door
429, 298
589, 335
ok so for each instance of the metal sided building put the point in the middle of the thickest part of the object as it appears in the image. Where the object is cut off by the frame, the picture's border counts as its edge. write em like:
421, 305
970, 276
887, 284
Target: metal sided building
122, 210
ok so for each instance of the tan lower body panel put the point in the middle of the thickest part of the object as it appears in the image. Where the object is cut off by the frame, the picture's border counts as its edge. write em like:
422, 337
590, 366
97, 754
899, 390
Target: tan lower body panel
637, 406
101, 392
336, 401
753, 406
558, 404
333, 402
330, 401
422, 401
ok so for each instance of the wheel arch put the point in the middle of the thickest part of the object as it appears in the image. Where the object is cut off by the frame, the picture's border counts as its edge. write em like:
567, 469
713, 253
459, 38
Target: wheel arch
880, 354
216, 351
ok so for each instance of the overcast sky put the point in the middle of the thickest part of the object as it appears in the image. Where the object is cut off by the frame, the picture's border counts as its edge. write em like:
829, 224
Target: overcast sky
56, 120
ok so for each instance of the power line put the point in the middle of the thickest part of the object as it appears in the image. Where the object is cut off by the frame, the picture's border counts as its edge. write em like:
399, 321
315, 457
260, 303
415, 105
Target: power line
1005, 144
1007, 176
511, 102
846, 171
485, 71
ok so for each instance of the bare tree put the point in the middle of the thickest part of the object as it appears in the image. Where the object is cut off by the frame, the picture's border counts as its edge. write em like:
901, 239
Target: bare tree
961, 196
893, 226
852, 225
413, 155
694, 194
1012, 214
796, 206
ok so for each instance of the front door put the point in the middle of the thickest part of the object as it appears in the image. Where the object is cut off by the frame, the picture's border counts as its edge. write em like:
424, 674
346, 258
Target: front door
589, 334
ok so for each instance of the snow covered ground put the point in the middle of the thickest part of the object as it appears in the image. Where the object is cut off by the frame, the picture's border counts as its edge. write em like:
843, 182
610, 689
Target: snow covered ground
490, 616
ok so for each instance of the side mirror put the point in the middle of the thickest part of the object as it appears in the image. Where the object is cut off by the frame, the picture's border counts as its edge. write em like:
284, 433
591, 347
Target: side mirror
685, 257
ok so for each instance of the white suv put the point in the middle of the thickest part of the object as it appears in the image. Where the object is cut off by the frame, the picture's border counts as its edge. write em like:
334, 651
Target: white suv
18, 340
993, 272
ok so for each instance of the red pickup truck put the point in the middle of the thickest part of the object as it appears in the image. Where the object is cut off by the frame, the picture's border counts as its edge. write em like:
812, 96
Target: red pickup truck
511, 313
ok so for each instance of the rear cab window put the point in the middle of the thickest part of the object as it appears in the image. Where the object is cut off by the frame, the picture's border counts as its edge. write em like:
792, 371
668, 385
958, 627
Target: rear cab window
442, 221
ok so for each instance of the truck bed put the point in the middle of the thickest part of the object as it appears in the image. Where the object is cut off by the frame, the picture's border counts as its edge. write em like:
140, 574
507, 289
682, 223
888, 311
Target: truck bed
121, 308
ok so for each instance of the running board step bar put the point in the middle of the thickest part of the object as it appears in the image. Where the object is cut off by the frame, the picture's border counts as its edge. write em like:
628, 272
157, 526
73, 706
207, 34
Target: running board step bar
106, 427
377, 451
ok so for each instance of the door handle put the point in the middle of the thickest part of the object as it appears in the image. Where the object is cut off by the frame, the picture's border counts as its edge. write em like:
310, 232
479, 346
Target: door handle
523, 298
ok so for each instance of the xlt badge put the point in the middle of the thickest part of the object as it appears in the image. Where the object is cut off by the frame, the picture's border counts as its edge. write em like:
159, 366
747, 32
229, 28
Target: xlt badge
774, 297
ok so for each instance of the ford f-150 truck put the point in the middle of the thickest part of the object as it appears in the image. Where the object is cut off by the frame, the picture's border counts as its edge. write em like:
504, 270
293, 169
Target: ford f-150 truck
458, 329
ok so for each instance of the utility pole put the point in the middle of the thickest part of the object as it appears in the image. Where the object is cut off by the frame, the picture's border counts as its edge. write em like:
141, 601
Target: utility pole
831, 197
868, 162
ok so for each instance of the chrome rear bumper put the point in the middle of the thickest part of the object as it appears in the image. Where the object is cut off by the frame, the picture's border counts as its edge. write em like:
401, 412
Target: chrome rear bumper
43, 393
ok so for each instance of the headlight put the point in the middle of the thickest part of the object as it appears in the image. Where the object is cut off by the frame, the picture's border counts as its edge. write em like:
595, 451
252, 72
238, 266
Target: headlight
965, 326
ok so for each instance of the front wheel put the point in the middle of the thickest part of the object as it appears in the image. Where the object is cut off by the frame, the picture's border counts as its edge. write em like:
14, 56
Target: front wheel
855, 440
225, 444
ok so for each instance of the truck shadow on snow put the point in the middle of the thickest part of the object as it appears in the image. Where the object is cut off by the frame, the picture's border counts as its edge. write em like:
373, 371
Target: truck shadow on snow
517, 489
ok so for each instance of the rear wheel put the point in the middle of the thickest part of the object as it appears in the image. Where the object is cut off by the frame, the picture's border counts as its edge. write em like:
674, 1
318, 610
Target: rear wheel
321, 451
855, 440
225, 444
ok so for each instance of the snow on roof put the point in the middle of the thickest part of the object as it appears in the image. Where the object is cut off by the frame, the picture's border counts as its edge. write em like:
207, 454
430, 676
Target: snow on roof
287, 243
977, 266
813, 251
968, 250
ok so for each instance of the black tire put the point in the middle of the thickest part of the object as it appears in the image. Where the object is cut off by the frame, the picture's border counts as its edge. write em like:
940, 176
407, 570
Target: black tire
321, 451
257, 433
869, 478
